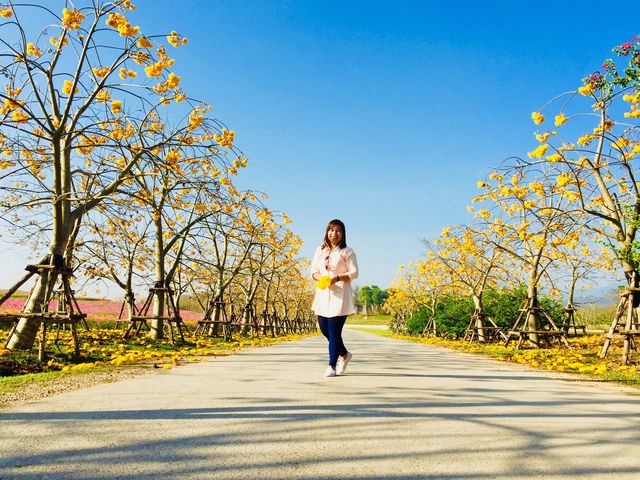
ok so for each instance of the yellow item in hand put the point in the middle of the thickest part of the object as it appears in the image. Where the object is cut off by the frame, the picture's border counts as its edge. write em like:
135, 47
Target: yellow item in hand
323, 282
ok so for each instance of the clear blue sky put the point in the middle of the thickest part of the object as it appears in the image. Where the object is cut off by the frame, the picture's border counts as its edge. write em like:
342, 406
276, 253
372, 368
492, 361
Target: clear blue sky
383, 114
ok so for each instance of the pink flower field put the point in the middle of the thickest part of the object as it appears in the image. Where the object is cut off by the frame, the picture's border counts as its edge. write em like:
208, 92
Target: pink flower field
107, 310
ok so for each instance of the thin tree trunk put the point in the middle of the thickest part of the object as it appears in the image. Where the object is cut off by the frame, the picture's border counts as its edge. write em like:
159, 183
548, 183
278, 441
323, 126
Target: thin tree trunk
157, 324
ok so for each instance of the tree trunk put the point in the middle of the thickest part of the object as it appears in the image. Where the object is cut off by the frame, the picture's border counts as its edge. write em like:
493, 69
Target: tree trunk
479, 316
214, 328
532, 313
157, 324
572, 290
27, 329
130, 299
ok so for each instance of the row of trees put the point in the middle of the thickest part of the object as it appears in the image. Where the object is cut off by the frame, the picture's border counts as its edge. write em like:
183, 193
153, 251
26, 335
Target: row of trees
568, 210
110, 166
369, 299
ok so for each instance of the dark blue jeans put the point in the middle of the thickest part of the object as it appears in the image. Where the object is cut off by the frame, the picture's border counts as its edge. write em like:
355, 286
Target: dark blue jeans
331, 327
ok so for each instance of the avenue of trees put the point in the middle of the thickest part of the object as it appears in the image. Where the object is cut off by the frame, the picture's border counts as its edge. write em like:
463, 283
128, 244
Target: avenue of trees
112, 171
568, 211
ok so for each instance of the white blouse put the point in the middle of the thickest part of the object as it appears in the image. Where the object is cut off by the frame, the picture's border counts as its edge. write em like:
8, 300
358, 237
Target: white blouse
337, 300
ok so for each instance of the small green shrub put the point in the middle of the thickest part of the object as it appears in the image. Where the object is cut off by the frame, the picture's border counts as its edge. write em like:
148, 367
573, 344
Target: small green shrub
453, 315
417, 321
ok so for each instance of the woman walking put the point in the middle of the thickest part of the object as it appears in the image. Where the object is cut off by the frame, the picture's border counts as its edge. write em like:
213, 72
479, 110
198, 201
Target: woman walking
333, 268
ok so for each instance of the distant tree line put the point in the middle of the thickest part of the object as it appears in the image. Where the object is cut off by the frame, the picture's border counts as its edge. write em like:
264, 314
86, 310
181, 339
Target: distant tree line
369, 299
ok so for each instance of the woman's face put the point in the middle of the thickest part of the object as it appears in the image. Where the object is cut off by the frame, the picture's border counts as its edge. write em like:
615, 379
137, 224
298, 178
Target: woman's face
335, 235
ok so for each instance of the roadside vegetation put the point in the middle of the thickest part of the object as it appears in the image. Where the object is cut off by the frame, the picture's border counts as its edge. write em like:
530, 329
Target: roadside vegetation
582, 358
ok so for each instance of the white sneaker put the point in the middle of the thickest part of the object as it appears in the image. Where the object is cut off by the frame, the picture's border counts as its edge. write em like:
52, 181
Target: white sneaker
331, 372
342, 364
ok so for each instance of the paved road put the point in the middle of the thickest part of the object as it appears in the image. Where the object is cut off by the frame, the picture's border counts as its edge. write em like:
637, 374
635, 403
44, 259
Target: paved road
403, 411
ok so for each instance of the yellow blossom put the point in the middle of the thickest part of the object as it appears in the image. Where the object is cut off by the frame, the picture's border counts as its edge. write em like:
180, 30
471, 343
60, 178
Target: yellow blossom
620, 143
6, 12
100, 72
103, 96
563, 179
66, 89
483, 213
537, 118
124, 73
586, 90
554, 157
120, 23
323, 282
539, 152
560, 119
33, 50
633, 113
19, 117
140, 57
143, 42
225, 139
176, 40
632, 98
62, 40
155, 69
543, 138
173, 81
537, 187
585, 140
195, 119
116, 106
72, 18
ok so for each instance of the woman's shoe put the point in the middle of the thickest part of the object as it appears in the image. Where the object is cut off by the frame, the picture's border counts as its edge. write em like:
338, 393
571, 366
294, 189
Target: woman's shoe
330, 372
342, 364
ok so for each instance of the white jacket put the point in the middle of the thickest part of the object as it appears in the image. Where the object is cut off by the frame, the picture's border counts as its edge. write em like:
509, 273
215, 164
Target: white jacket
337, 300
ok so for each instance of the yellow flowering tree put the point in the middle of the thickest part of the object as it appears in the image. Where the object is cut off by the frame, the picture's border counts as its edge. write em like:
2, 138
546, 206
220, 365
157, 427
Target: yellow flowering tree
184, 188
595, 167
597, 164
221, 248
580, 262
275, 244
116, 247
294, 292
527, 218
78, 117
473, 262
419, 284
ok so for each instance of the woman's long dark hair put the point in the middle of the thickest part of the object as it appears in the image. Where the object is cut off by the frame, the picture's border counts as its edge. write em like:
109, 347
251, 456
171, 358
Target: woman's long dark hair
335, 223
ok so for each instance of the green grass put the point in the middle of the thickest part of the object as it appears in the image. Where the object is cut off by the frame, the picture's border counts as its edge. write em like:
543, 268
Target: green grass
360, 319
384, 333
10, 384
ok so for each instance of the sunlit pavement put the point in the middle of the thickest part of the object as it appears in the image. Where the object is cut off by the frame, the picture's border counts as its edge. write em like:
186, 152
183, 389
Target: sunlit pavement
402, 410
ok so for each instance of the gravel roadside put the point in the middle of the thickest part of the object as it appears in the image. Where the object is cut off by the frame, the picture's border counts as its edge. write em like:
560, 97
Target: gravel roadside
33, 391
